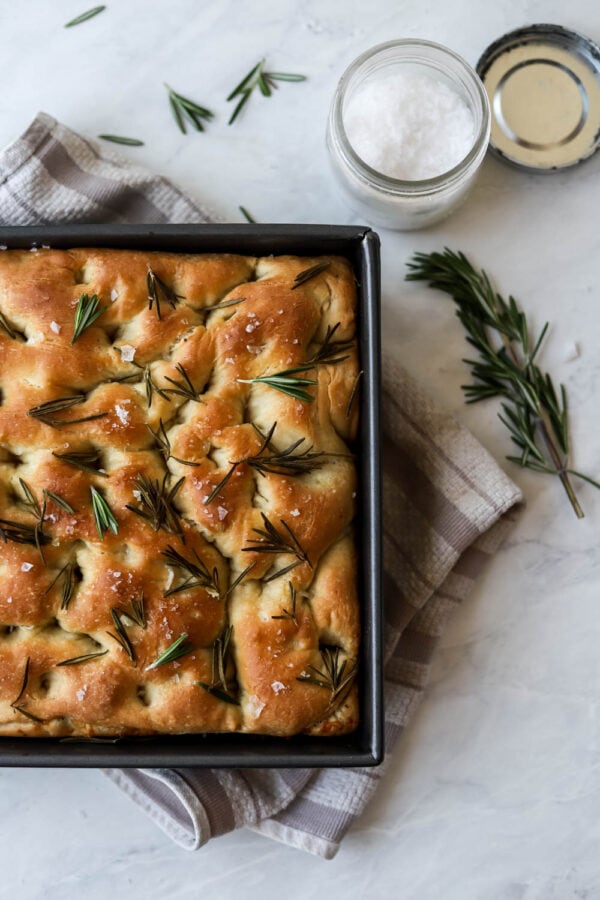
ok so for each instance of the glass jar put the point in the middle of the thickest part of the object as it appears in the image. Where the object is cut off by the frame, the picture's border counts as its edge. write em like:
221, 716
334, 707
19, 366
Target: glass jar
392, 202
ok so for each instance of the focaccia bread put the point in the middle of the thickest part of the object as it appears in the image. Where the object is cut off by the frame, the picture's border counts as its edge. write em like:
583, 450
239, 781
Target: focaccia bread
177, 493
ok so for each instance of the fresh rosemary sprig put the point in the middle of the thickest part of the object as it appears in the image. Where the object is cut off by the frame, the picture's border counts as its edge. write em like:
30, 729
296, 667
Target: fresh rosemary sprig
183, 388
118, 139
146, 377
85, 16
221, 686
329, 351
46, 412
67, 575
103, 514
289, 613
285, 462
286, 382
159, 292
249, 218
21, 533
180, 647
307, 274
270, 540
162, 439
336, 675
136, 611
198, 573
82, 459
75, 660
121, 636
157, 503
87, 311
183, 108
534, 414
258, 77
39, 512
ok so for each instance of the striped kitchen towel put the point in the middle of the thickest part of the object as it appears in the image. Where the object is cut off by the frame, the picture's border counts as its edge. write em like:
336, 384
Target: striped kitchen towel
447, 507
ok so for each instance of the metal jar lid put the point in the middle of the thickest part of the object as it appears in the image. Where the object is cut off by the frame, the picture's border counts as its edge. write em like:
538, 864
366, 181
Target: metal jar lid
543, 82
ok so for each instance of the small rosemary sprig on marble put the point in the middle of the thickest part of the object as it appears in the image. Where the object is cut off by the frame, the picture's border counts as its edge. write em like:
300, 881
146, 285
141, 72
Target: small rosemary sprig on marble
89, 14
290, 613
221, 685
270, 540
258, 77
183, 108
83, 459
119, 139
307, 274
248, 217
159, 292
288, 462
46, 412
287, 382
164, 444
534, 414
88, 309
180, 647
103, 514
336, 675
157, 503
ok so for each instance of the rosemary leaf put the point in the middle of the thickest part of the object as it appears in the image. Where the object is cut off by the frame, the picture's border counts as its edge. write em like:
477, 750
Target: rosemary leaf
162, 439
121, 636
88, 309
180, 647
307, 274
257, 77
532, 410
118, 139
159, 292
103, 514
286, 382
67, 575
82, 459
47, 411
136, 612
24, 682
221, 686
329, 351
250, 219
75, 660
289, 613
85, 16
198, 572
353, 394
270, 540
336, 675
60, 501
183, 388
20, 533
157, 506
184, 108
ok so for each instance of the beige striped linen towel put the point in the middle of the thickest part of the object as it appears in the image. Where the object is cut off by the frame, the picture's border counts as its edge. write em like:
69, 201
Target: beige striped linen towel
447, 507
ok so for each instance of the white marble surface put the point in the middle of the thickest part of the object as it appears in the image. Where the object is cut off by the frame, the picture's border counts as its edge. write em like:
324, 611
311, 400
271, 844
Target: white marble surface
495, 791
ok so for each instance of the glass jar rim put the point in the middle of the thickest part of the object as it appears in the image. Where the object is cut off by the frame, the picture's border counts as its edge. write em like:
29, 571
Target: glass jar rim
415, 186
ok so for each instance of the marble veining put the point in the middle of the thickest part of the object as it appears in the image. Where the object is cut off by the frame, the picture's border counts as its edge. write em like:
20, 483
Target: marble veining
495, 790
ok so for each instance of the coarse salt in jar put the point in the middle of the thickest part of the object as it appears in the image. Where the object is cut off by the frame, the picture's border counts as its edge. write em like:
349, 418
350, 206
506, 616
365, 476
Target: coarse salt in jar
408, 130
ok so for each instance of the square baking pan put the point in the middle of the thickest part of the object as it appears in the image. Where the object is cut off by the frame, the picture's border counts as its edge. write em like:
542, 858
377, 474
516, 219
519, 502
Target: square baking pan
363, 747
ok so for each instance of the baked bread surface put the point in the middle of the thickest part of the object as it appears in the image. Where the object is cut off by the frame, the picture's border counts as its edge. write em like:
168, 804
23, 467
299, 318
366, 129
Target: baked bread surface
169, 409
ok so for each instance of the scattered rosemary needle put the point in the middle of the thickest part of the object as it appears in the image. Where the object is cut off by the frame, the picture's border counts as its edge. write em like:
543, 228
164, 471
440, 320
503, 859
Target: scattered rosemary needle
329, 351
162, 439
336, 676
20, 533
536, 417
197, 572
250, 219
136, 612
183, 108
103, 514
67, 575
180, 647
118, 139
158, 292
60, 501
7, 328
24, 682
270, 540
257, 77
82, 459
289, 613
88, 309
157, 506
46, 412
221, 685
85, 16
307, 274
286, 382
183, 388
121, 636
75, 660
353, 394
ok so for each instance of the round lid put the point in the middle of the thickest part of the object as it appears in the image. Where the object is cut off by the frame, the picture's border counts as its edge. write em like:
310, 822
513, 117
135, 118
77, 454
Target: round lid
543, 83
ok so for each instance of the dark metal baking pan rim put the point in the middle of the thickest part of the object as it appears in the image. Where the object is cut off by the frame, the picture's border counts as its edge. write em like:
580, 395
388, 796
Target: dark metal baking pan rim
364, 747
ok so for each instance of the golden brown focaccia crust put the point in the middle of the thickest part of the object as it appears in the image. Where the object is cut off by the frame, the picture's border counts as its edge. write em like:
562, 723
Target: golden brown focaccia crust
162, 408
